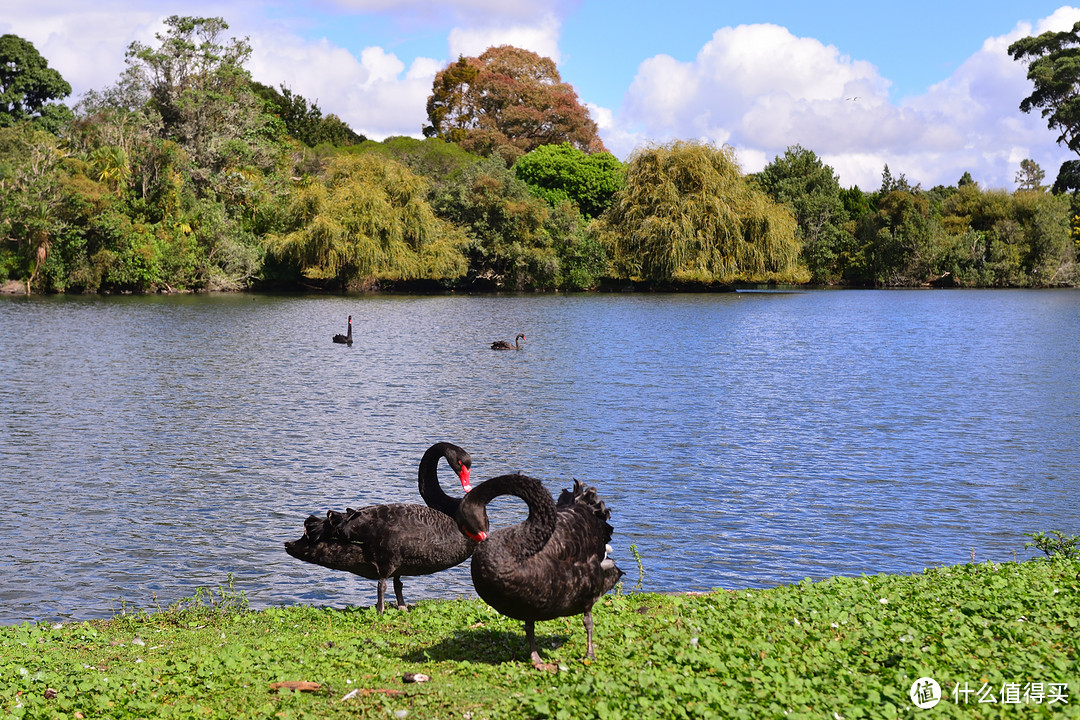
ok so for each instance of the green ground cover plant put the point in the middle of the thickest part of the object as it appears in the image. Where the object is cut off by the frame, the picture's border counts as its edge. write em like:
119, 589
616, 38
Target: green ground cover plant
845, 647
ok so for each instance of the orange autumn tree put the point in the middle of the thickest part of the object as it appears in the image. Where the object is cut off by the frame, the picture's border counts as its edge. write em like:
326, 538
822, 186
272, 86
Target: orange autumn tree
508, 102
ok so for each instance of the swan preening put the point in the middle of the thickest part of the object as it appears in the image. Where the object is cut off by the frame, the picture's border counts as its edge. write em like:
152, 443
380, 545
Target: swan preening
345, 339
503, 345
553, 564
388, 541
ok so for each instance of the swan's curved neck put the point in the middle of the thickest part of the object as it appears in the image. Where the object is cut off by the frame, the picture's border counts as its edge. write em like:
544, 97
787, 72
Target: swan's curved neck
428, 482
533, 534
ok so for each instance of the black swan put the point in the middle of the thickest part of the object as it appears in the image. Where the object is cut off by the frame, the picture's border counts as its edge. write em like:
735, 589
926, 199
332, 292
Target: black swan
345, 339
503, 345
382, 541
553, 564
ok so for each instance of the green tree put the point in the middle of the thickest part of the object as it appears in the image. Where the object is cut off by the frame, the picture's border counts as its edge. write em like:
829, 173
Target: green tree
563, 172
204, 96
891, 184
367, 219
30, 200
1068, 178
1053, 62
451, 107
1030, 176
305, 121
1010, 240
28, 87
507, 102
898, 241
688, 215
812, 191
516, 241
511, 246
1048, 254
440, 162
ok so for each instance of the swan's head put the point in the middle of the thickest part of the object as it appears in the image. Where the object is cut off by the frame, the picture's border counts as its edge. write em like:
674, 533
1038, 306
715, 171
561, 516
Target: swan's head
461, 463
472, 521
477, 537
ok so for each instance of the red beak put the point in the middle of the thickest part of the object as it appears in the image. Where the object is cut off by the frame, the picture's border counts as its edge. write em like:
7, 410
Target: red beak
465, 479
480, 536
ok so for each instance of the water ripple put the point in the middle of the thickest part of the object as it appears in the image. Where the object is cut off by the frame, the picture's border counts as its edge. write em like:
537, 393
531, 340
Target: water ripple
157, 444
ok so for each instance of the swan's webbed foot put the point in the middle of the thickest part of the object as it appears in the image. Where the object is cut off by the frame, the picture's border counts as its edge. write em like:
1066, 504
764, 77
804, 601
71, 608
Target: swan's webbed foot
530, 635
534, 656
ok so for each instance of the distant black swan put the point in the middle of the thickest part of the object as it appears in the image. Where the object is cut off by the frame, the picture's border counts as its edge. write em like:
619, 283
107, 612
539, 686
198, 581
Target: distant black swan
382, 541
345, 339
503, 345
552, 565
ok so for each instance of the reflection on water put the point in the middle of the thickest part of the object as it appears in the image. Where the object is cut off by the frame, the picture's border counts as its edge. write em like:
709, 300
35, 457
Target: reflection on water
156, 444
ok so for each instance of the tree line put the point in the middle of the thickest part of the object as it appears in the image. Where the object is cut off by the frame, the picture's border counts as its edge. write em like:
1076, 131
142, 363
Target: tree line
186, 174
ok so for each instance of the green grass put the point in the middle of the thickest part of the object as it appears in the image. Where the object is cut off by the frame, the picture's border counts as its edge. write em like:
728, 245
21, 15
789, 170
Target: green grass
840, 648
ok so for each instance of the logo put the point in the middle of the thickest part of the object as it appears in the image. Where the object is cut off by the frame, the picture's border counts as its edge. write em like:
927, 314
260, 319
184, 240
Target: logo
925, 693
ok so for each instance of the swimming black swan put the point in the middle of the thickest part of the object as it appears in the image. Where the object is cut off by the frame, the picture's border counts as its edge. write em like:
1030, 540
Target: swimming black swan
382, 541
345, 339
503, 345
552, 565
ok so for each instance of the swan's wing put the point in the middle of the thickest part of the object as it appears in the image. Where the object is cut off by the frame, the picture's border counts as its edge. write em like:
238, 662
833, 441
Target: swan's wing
402, 528
407, 539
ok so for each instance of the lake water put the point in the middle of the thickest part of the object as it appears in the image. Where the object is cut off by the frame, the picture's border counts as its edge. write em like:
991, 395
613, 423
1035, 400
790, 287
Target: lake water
153, 445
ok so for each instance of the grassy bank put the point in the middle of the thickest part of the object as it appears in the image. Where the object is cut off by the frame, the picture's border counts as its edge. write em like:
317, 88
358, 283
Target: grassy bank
839, 648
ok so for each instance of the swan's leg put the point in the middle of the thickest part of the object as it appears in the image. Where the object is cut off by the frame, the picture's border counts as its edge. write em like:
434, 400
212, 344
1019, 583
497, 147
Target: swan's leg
588, 634
379, 605
398, 588
530, 635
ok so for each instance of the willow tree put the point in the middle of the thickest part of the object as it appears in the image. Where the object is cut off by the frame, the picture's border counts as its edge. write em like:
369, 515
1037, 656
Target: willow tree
367, 218
687, 214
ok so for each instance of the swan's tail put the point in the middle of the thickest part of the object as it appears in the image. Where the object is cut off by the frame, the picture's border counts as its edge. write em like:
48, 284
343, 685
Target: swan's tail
325, 529
585, 497
585, 500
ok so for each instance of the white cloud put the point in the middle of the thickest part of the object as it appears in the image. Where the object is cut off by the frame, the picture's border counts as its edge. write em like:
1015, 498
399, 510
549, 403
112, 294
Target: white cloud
86, 45
761, 89
612, 133
542, 37
376, 95
758, 88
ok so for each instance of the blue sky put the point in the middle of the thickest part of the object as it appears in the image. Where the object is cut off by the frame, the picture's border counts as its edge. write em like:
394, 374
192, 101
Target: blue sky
925, 87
